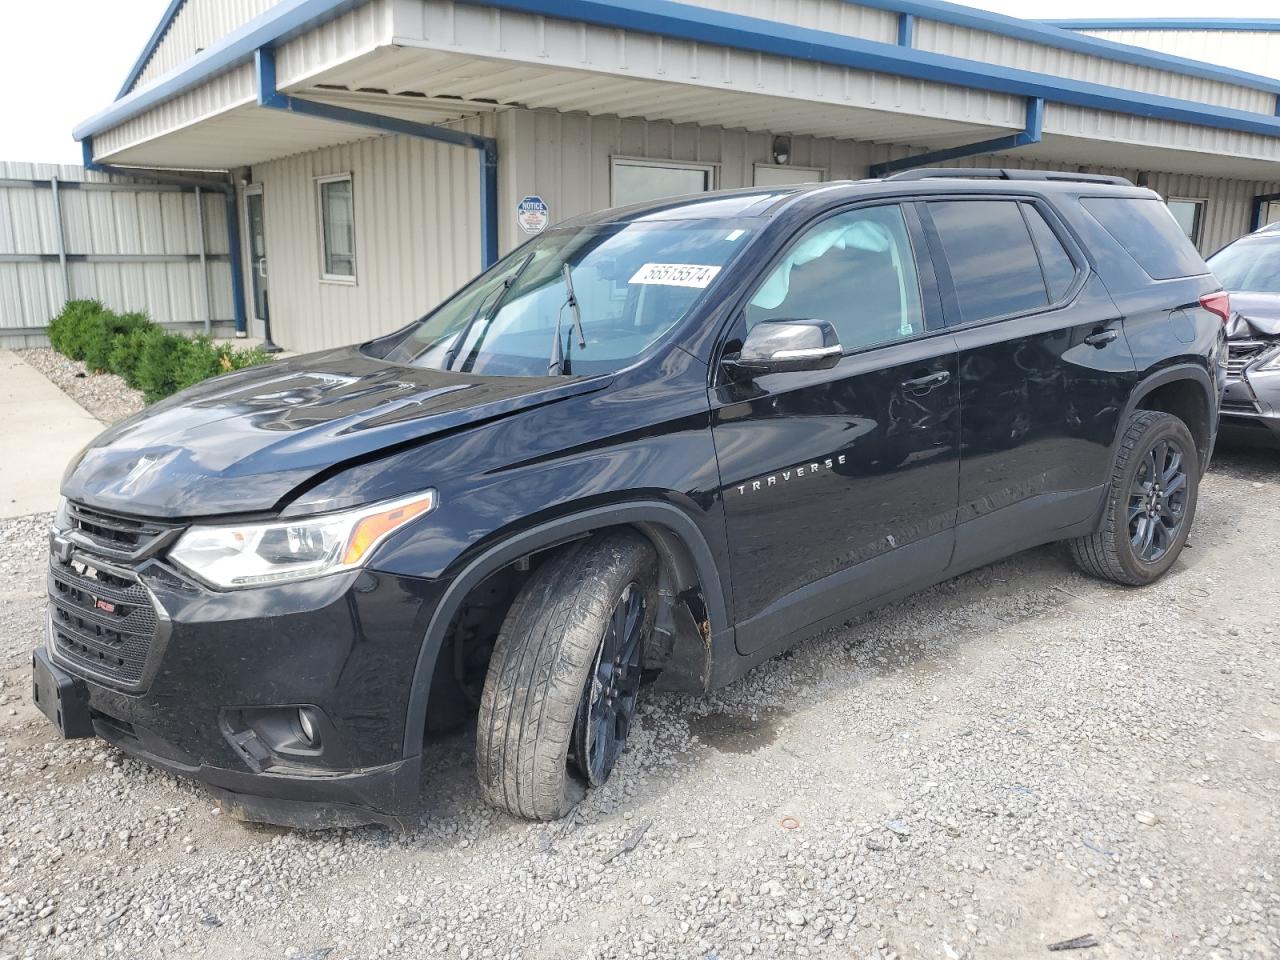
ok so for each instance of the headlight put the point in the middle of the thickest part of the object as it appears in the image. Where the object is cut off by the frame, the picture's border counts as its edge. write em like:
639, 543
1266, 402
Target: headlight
1272, 362
249, 554
62, 516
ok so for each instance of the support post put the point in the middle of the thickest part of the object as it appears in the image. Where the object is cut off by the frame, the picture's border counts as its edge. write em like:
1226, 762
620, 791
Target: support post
204, 265
906, 29
61, 235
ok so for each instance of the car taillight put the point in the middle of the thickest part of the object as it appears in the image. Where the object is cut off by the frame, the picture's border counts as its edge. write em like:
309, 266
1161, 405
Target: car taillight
1218, 303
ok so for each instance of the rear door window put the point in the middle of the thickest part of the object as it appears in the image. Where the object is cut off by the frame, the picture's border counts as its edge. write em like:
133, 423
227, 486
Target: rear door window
1147, 231
991, 257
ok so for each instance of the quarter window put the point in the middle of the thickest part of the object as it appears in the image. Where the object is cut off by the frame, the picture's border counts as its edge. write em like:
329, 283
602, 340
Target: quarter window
337, 228
1059, 270
1149, 234
993, 262
639, 181
855, 270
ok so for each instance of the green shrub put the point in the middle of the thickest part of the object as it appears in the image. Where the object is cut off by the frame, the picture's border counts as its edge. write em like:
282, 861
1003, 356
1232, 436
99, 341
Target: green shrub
102, 332
70, 331
148, 358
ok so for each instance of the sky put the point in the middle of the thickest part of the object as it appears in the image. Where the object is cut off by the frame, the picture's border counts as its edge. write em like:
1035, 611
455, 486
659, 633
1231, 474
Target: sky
62, 61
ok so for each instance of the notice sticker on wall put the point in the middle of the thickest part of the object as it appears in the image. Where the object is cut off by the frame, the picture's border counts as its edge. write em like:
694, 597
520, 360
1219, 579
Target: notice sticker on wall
676, 274
533, 214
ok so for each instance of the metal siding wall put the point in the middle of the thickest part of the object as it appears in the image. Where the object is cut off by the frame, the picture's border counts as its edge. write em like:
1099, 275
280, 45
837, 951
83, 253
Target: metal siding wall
1007, 51
417, 213
838, 16
198, 24
117, 221
1254, 52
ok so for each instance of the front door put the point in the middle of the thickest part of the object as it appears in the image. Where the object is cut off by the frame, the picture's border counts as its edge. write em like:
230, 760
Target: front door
257, 251
1045, 371
840, 485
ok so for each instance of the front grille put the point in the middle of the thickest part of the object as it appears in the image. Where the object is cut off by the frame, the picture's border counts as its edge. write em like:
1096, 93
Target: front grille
102, 620
1241, 353
116, 536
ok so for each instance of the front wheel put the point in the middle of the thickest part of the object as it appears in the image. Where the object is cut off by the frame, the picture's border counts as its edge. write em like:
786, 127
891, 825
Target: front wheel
1151, 502
561, 691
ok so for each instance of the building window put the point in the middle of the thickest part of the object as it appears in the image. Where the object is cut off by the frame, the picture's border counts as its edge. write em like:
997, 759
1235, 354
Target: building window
777, 175
337, 229
638, 181
1189, 214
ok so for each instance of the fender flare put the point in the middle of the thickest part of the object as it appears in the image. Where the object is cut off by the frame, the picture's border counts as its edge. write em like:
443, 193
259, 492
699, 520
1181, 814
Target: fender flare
659, 521
1171, 374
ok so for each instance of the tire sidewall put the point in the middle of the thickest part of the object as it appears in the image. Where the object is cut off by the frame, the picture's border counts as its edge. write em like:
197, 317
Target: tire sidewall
1170, 428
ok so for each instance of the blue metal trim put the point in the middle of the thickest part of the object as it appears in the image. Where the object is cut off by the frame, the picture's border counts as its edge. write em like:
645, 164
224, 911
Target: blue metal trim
1031, 134
686, 22
702, 25
906, 29
1052, 34
270, 97
156, 36
233, 222
1255, 25
283, 21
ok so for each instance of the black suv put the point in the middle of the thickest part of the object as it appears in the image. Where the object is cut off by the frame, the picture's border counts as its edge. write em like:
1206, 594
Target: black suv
663, 441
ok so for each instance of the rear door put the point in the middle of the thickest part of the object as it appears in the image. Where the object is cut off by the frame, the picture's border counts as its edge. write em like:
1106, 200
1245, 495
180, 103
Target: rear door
1044, 370
840, 485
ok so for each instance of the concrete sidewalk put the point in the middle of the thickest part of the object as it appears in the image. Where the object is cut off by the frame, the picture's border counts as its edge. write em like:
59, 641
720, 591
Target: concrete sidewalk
42, 429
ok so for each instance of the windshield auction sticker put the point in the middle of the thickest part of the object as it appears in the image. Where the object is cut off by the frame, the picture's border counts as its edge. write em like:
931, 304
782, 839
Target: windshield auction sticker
676, 274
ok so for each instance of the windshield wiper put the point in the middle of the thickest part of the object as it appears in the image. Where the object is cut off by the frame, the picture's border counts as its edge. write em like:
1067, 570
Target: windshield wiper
502, 292
558, 364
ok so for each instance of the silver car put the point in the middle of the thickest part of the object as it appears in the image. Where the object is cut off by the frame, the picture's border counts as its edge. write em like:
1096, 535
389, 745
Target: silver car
1249, 269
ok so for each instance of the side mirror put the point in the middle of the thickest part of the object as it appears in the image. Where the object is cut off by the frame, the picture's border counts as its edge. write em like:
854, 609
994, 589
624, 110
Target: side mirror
782, 346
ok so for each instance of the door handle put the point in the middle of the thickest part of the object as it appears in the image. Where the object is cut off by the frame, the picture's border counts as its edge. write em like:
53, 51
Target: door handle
1100, 338
922, 385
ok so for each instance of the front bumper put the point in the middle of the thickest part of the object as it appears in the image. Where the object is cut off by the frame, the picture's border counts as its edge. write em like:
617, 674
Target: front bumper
225, 667
1251, 407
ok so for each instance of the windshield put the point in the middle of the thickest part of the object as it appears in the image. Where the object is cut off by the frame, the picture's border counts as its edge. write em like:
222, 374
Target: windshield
1249, 266
633, 283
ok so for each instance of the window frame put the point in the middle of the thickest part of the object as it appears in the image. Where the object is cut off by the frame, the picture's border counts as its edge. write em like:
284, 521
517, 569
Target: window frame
821, 174
926, 277
1201, 205
339, 279
712, 171
946, 283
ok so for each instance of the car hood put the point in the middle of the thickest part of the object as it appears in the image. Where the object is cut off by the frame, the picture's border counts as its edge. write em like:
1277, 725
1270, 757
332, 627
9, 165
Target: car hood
244, 442
1254, 315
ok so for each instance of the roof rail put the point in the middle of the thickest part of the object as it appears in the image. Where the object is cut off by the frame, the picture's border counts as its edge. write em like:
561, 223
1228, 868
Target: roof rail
987, 173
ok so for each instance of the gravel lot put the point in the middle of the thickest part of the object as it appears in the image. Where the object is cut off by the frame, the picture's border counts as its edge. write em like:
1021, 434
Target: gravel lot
104, 395
1013, 759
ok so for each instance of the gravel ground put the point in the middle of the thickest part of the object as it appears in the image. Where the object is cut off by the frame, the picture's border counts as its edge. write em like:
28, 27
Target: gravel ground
104, 395
1010, 760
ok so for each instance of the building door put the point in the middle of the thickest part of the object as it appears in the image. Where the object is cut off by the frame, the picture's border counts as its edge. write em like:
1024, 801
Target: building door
840, 485
257, 251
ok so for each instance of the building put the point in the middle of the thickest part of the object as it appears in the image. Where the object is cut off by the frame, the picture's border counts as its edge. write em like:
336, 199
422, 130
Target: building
379, 153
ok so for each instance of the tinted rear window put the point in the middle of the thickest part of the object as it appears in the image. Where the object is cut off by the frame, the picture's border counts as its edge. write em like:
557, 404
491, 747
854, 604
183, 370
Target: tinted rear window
1147, 230
1059, 271
993, 263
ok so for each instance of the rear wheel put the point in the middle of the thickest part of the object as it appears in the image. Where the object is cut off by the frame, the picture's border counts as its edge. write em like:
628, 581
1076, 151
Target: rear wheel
1151, 502
562, 687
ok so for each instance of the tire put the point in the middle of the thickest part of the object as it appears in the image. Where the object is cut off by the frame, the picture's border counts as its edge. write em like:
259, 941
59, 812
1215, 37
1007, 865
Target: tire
546, 669
1121, 550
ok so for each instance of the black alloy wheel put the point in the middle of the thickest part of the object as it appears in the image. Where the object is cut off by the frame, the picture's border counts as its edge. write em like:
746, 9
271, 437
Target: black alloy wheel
1157, 501
609, 696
